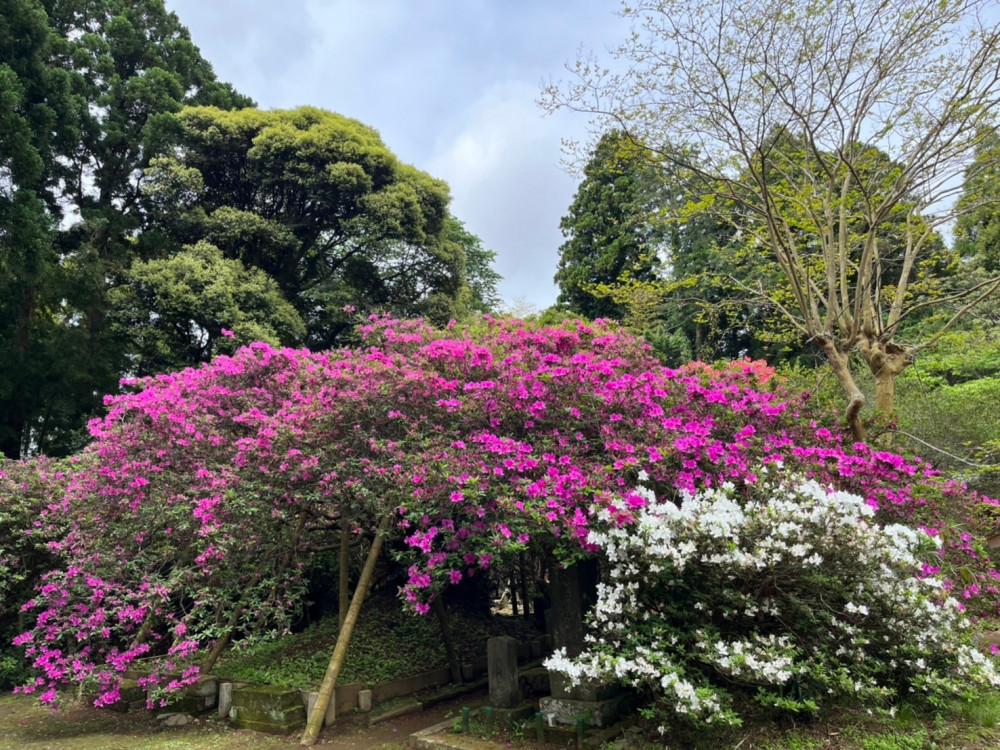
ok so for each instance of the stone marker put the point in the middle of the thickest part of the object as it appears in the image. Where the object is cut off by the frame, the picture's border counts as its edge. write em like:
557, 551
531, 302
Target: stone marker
365, 700
501, 657
225, 699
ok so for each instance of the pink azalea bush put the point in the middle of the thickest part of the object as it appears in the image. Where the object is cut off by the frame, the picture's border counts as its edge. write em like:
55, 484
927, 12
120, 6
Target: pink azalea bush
32, 513
192, 514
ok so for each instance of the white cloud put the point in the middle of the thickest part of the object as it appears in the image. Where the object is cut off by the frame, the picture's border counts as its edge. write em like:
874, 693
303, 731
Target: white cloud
451, 86
508, 187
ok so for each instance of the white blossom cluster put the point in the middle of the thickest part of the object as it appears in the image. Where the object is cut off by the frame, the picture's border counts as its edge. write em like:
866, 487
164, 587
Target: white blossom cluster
789, 583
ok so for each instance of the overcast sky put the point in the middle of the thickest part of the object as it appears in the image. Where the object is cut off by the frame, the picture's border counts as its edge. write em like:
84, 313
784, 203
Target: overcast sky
450, 84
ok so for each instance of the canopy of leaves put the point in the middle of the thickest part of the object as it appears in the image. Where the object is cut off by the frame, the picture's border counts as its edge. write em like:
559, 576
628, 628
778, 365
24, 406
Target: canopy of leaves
174, 310
87, 94
317, 202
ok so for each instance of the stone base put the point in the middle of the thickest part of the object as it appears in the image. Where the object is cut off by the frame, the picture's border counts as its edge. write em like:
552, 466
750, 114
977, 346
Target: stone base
291, 720
583, 691
510, 717
534, 682
601, 713
267, 708
133, 697
194, 705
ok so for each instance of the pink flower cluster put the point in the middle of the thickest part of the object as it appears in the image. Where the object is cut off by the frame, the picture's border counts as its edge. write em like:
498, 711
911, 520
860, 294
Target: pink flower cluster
204, 490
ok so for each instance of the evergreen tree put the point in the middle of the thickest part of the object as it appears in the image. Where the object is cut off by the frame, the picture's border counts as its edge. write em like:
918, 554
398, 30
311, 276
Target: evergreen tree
610, 228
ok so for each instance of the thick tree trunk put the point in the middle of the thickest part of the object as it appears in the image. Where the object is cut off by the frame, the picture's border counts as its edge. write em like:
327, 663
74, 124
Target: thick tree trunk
886, 361
449, 645
841, 366
885, 392
343, 640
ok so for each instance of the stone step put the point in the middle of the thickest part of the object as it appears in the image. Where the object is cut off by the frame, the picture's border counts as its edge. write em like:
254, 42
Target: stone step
267, 708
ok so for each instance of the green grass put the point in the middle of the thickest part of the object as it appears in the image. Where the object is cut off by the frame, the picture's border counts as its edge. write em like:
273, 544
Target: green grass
24, 725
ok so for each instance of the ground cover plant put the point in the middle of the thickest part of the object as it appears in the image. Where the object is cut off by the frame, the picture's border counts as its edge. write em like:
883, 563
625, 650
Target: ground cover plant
196, 508
389, 643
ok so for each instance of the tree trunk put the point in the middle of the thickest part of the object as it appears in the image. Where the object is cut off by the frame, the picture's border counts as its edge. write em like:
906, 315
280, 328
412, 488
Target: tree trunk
222, 642
841, 365
343, 640
524, 587
13, 432
343, 590
885, 392
449, 645
144, 630
886, 360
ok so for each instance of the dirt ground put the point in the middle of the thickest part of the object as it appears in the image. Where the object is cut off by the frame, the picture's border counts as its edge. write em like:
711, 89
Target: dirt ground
26, 725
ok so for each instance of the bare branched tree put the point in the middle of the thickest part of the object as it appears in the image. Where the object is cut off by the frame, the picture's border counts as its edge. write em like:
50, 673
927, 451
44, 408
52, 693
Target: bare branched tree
824, 121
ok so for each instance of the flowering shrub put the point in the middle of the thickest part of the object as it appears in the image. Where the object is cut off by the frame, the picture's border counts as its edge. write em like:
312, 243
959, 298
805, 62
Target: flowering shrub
194, 511
31, 515
789, 592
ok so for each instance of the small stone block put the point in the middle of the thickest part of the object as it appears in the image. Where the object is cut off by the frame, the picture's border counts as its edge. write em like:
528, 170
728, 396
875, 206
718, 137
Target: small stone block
534, 682
195, 705
274, 721
132, 696
562, 687
267, 708
566, 711
205, 686
225, 699
266, 697
309, 698
365, 700
501, 655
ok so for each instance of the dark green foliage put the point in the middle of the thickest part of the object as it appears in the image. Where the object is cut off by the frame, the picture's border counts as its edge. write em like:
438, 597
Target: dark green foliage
389, 643
610, 228
317, 202
88, 89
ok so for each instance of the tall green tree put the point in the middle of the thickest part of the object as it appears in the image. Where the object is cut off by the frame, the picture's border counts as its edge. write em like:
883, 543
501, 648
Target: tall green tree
611, 227
36, 122
184, 309
88, 90
317, 202
845, 79
977, 231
